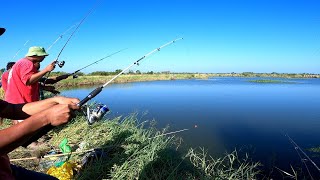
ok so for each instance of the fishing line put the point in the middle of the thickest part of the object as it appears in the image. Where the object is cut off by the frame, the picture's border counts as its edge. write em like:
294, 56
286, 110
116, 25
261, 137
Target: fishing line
297, 148
60, 37
20, 50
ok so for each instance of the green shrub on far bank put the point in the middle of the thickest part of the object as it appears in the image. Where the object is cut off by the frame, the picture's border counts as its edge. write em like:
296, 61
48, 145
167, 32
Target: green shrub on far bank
125, 78
270, 81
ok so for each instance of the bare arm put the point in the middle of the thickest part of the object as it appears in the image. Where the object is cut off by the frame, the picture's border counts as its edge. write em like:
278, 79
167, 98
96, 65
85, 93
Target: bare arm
38, 106
10, 136
16, 135
23, 111
36, 77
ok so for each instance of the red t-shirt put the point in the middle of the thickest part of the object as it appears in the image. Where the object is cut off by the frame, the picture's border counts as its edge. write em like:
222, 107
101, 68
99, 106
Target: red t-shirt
17, 90
4, 80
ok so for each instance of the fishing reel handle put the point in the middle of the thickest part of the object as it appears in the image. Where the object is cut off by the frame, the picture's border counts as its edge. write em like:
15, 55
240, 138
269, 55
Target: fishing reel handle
44, 130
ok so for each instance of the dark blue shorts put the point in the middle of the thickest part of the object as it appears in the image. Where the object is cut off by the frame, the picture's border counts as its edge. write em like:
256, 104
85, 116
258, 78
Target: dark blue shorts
22, 173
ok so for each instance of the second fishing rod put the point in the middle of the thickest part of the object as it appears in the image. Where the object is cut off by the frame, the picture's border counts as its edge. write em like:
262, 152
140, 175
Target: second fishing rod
97, 113
45, 81
74, 74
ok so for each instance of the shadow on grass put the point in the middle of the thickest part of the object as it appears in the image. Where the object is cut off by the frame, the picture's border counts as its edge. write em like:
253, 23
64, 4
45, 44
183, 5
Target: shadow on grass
99, 167
170, 164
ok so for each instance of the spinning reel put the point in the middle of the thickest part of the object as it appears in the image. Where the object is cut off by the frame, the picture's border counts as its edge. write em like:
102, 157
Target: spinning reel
60, 63
94, 114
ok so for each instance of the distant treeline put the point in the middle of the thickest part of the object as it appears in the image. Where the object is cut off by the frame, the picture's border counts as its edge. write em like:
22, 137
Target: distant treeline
106, 73
273, 74
232, 74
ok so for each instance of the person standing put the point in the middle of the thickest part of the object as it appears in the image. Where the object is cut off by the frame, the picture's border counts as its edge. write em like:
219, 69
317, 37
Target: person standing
23, 86
23, 78
4, 77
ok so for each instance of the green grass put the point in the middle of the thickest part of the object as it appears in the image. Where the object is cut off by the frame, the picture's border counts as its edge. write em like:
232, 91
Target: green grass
126, 78
132, 153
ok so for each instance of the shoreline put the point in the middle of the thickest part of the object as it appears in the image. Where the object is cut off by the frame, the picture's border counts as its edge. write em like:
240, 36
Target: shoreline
88, 80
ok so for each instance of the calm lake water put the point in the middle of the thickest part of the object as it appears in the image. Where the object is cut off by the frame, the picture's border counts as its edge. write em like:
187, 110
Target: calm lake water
230, 113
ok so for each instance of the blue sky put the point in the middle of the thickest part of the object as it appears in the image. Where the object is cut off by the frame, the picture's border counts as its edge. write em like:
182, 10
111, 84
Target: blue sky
219, 35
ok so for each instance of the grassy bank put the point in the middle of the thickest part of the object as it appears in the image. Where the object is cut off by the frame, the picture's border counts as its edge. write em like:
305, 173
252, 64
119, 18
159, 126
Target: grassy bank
95, 80
125, 78
132, 152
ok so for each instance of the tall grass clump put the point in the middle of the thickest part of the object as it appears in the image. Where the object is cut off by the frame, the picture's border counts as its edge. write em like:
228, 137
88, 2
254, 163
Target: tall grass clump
231, 166
134, 150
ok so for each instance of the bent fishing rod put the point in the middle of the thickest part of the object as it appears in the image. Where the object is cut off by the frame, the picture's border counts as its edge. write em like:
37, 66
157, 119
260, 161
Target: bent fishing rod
61, 64
101, 110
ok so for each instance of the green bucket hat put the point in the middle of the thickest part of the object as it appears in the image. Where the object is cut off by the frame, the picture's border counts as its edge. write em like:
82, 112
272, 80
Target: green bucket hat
37, 51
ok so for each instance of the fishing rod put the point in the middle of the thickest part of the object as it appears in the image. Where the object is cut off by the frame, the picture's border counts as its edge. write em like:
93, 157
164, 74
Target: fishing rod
98, 113
20, 50
99, 89
75, 72
173, 132
61, 64
297, 148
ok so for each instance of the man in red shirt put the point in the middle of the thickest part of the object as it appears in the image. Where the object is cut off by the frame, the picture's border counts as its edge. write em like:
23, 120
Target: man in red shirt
23, 86
23, 78
4, 77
